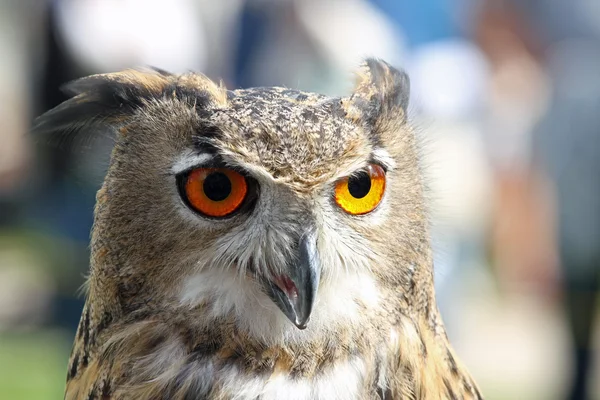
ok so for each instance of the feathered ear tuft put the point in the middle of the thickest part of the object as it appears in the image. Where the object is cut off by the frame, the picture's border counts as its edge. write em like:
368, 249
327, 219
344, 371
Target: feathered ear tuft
380, 91
101, 101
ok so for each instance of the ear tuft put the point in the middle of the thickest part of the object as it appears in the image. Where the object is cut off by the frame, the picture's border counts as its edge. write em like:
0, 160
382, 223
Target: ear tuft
205, 87
101, 101
380, 91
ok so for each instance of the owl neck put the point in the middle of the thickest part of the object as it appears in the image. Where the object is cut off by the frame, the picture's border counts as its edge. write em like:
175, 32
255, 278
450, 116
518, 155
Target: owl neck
363, 335
386, 357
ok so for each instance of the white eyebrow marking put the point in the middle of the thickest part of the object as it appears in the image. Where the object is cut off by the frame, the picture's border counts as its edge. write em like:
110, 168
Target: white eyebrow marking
189, 159
384, 158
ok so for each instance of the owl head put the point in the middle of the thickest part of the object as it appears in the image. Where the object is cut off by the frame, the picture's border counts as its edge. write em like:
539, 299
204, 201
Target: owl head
265, 203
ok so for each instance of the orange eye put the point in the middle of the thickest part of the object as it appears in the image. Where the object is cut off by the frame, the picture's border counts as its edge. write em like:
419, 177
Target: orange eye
361, 193
215, 192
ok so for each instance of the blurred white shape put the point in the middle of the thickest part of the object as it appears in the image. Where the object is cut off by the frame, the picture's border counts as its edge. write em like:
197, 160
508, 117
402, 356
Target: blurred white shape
458, 176
448, 86
448, 78
459, 186
351, 30
108, 35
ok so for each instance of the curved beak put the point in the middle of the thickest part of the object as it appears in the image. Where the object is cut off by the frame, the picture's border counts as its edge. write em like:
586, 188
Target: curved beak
295, 290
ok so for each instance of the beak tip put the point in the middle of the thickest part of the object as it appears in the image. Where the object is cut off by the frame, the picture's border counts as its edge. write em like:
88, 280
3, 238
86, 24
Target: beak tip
301, 324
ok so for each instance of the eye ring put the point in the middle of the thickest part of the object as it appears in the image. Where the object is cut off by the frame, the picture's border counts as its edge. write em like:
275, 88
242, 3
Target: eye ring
361, 192
214, 192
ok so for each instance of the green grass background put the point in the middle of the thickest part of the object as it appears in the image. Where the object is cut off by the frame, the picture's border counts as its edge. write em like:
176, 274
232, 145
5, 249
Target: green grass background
33, 365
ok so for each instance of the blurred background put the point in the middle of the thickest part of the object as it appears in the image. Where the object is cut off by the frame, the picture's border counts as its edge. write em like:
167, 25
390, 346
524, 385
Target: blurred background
506, 101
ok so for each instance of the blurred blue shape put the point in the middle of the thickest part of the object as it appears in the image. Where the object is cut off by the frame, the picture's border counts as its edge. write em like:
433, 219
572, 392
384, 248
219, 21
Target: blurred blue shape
423, 21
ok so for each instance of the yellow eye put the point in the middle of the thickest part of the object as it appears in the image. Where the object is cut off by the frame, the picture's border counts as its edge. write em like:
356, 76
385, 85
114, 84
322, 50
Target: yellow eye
216, 192
362, 192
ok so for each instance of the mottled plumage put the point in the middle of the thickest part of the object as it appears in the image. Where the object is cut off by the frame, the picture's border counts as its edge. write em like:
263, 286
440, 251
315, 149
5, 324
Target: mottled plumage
176, 305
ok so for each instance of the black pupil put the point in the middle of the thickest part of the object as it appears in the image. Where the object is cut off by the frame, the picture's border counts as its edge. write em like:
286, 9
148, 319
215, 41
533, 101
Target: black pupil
359, 185
217, 186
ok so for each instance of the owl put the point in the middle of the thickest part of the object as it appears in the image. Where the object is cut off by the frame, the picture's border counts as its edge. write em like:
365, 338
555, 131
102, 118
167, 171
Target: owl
261, 243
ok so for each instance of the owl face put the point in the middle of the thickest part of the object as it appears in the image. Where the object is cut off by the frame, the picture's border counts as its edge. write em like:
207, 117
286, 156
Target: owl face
272, 177
272, 197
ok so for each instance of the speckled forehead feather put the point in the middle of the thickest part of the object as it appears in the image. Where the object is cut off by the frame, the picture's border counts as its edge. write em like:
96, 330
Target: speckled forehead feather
292, 134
